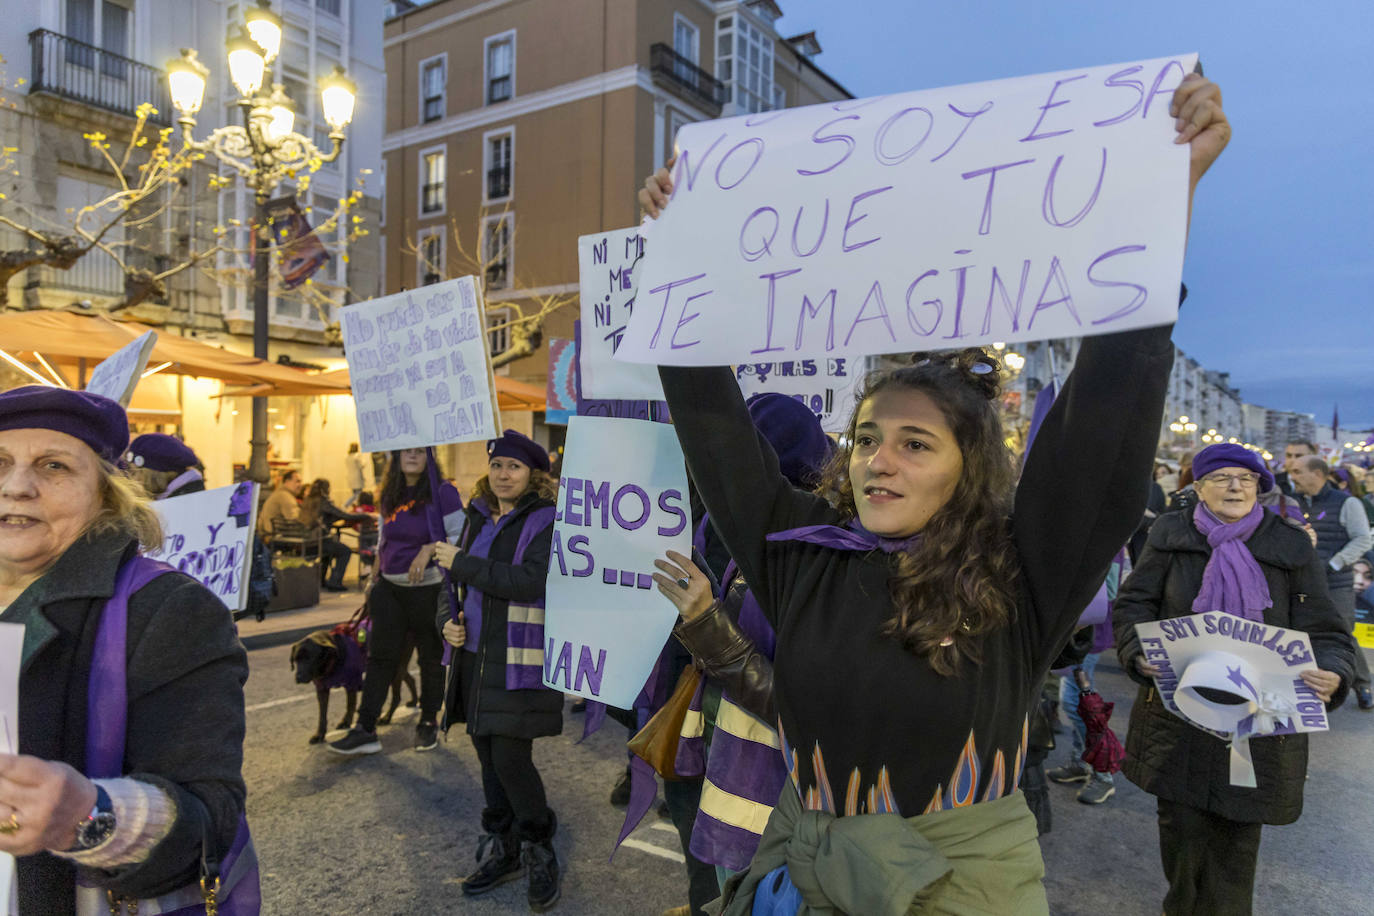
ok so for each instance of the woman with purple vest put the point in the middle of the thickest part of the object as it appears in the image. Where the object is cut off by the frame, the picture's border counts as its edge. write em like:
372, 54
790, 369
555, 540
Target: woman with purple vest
501, 561
402, 603
919, 599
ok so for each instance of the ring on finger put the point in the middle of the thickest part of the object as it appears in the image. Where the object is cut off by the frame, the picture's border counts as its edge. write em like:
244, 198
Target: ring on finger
10, 826
683, 583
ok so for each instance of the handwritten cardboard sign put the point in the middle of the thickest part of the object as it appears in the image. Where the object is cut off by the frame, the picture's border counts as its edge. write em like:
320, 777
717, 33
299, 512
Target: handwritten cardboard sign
826, 385
420, 367
209, 536
118, 374
607, 269
622, 503
1019, 209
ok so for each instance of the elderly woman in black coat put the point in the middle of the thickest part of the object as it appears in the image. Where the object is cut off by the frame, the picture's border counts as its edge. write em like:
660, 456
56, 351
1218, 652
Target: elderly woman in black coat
1209, 829
69, 522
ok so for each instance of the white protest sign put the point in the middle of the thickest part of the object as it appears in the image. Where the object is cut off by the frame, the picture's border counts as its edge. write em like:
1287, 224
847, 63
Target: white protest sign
209, 536
1234, 678
1019, 209
622, 504
420, 368
606, 271
118, 374
826, 385
11, 654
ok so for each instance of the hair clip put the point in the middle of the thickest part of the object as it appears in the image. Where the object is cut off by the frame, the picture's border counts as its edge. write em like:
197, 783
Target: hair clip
980, 368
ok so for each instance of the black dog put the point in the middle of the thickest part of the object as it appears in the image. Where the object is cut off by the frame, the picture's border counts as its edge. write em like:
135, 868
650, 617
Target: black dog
333, 658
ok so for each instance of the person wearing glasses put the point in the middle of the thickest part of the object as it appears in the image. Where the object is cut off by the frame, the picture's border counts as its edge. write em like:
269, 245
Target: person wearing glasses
1229, 555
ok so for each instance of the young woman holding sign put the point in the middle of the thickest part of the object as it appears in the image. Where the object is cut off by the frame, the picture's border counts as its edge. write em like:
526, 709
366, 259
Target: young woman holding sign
498, 683
919, 600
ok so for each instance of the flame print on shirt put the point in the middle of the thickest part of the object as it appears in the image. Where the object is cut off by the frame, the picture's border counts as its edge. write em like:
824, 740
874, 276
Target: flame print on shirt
403, 507
959, 792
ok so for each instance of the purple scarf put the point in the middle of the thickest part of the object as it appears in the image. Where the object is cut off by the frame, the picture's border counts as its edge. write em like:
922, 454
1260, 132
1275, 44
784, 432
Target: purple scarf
1232, 582
854, 537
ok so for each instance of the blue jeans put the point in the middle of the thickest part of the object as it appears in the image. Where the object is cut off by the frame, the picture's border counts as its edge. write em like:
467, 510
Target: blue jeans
1068, 702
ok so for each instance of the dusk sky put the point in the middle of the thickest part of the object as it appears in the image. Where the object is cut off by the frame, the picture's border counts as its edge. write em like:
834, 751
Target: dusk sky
1280, 262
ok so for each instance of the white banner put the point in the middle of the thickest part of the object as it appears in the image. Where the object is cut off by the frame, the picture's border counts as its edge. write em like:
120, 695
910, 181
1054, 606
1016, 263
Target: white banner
209, 536
1018, 209
606, 270
622, 504
420, 368
118, 374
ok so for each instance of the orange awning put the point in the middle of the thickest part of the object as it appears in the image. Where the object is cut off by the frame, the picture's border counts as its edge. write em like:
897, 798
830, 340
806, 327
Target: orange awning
64, 337
511, 394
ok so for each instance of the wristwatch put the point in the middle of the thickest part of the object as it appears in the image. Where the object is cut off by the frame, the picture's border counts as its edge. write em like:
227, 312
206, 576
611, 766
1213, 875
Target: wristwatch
98, 826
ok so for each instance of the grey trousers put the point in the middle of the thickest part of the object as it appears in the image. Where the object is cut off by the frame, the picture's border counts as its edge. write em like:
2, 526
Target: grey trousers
1344, 600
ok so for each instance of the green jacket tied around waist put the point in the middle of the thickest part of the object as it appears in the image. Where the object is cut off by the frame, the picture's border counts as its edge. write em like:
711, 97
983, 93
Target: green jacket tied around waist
975, 861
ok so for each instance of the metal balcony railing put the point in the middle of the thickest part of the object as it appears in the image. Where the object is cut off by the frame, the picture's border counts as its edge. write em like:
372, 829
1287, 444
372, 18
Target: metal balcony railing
672, 69
82, 72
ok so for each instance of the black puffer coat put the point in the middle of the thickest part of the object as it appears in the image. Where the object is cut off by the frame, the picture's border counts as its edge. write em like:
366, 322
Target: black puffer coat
478, 696
1171, 759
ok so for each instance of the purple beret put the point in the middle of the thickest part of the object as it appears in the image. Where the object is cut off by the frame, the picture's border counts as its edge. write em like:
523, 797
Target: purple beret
97, 421
520, 447
1230, 455
158, 452
794, 432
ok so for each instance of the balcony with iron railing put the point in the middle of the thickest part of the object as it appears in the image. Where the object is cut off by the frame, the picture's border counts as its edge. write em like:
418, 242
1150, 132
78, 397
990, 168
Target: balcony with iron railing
85, 73
99, 275
672, 70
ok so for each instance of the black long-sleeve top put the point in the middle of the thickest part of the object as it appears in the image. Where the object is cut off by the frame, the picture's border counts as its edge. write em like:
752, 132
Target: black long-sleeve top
866, 724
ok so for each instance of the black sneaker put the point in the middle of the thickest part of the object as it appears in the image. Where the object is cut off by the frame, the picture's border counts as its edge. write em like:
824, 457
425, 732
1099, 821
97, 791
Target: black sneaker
1364, 696
1069, 772
426, 736
620, 795
356, 741
1096, 791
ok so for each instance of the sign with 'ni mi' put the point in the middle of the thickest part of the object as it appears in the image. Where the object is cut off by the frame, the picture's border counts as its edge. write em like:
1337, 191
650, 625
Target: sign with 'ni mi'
622, 504
1018, 209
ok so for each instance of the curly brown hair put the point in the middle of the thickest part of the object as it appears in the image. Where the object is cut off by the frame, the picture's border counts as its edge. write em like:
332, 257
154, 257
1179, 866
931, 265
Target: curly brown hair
543, 484
959, 578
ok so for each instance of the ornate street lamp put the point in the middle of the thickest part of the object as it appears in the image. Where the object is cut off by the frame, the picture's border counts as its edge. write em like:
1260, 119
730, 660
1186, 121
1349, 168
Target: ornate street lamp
264, 150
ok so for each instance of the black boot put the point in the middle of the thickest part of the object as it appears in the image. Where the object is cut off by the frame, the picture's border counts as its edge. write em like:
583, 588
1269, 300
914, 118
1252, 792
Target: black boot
541, 862
498, 854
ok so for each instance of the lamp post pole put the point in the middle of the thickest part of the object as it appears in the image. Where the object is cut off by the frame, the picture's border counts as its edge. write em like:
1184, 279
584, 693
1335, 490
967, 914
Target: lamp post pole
263, 151
257, 460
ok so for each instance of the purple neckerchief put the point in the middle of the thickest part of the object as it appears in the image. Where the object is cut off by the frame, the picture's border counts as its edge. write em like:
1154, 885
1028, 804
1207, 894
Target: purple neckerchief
1232, 582
853, 537
480, 547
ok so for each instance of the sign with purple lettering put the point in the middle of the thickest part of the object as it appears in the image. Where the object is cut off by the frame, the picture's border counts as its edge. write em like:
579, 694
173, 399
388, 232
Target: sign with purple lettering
1018, 209
420, 368
622, 504
826, 385
607, 264
209, 536
1234, 678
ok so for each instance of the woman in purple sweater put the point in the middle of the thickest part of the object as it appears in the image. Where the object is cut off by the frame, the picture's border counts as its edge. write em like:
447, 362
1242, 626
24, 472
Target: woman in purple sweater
402, 603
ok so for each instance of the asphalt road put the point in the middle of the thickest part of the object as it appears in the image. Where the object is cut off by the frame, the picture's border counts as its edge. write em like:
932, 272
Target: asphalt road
395, 833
